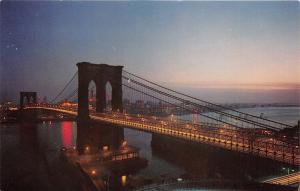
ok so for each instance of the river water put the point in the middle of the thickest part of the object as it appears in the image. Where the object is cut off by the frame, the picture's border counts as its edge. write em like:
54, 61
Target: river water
286, 115
29, 155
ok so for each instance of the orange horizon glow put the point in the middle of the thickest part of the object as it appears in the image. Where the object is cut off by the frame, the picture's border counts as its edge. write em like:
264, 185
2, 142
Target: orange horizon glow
249, 86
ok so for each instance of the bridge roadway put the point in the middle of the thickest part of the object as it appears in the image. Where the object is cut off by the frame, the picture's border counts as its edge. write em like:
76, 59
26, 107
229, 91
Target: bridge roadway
206, 133
289, 179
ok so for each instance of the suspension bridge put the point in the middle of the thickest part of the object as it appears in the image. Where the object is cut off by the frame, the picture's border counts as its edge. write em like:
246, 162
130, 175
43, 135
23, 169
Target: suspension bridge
138, 103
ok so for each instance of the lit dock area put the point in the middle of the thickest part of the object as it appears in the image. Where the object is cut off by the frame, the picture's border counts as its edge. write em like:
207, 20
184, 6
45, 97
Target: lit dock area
95, 170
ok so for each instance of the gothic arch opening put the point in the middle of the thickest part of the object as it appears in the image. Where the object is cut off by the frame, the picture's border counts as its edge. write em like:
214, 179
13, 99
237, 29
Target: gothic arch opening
30, 100
26, 100
108, 96
92, 92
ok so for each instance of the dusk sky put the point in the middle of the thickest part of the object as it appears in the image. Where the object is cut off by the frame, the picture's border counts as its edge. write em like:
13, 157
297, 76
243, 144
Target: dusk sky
210, 49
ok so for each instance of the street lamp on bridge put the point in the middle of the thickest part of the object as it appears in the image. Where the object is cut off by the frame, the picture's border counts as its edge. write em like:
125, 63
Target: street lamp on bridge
288, 172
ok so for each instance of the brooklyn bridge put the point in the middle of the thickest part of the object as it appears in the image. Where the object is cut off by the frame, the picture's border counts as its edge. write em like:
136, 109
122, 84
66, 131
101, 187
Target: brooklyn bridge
166, 112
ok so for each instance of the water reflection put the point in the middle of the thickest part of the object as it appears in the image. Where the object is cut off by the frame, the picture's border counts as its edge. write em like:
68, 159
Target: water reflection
28, 161
67, 134
28, 138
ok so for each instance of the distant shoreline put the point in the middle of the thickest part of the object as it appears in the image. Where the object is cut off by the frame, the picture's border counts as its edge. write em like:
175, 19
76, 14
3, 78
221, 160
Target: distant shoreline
254, 105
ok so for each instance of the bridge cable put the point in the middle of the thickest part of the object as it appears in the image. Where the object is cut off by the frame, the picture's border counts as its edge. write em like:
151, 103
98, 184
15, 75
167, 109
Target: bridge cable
71, 95
73, 77
195, 104
191, 97
176, 105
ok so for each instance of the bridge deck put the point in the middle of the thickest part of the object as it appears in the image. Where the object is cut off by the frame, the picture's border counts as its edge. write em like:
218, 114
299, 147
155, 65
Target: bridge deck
226, 139
289, 179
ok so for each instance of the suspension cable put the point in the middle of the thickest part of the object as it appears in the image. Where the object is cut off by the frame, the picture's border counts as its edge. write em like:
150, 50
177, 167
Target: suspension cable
73, 77
72, 94
195, 104
175, 104
220, 106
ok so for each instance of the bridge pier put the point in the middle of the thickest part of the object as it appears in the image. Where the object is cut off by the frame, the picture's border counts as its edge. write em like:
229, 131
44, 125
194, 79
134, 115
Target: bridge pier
90, 135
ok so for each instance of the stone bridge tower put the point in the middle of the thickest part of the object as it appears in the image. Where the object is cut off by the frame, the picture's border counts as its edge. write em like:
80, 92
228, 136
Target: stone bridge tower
30, 97
100, 74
